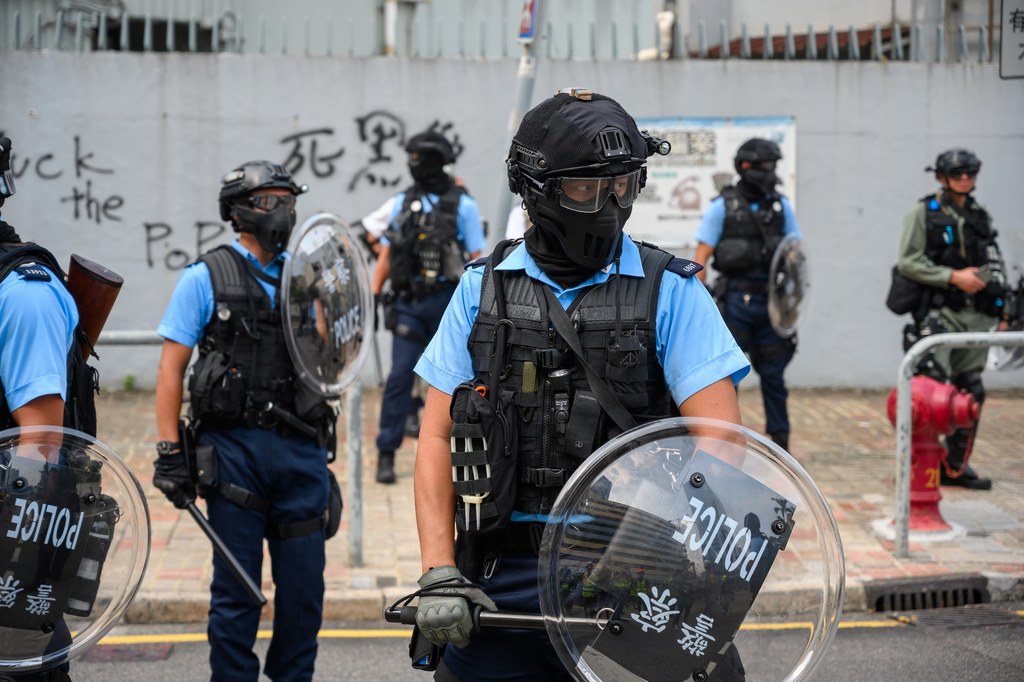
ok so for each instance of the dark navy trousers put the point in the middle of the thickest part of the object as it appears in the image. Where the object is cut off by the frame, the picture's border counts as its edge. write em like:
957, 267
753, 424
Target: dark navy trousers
416, 323
747, 318
291, 473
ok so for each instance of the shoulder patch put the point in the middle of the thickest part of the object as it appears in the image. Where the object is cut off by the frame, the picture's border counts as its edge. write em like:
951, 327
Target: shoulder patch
684, 268
33, 271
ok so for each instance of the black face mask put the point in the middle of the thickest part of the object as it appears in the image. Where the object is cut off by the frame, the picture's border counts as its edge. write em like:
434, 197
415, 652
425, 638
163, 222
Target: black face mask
571, 246
271, 228
760, 179
429, 174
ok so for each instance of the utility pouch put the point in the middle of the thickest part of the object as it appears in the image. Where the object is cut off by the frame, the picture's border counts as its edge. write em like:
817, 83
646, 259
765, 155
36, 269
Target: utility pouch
736, 254
334, 506
206, 469
904, 294
453, 261
423, 654
484, 460
583, 425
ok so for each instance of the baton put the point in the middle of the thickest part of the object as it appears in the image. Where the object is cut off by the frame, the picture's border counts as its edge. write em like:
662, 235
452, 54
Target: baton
291, 420
225, 554
406, 615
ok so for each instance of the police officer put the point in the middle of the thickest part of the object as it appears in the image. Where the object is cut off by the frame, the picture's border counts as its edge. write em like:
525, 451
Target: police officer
949, 247
651, 330
433, 227
741, 229
271, 476
37, 334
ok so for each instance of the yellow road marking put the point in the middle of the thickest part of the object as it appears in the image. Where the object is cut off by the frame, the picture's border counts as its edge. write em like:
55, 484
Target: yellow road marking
190, 637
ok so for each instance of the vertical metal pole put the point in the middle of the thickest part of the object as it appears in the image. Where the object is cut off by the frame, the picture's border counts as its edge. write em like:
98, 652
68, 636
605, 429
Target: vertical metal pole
58, 33
876, 43
329, 49
261, 35
812, 44
17, 29
963, 54
769, 47
284, 34
526, 76
37, 39
169, 35
897, 42
79, 31
101, 40
147, 34
354, 492
723, 40
702, 41
790, 43
852, 44
193, 34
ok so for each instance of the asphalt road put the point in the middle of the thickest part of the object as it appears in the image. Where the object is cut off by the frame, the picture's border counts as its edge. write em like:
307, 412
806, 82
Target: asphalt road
961, 647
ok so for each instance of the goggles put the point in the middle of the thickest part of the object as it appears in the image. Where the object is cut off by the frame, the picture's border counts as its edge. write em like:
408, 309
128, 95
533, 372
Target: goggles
969, 171
268, 202
588, 195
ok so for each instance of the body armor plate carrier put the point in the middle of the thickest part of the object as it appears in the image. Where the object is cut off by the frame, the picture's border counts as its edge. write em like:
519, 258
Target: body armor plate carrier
749, 238
426, 254
557, 421
975, 245
243, 363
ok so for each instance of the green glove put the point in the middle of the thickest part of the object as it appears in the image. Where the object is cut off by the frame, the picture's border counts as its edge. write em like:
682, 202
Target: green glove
446, 604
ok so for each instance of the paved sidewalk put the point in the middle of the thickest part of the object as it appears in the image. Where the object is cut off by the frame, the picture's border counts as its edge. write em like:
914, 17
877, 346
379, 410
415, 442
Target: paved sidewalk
843, 438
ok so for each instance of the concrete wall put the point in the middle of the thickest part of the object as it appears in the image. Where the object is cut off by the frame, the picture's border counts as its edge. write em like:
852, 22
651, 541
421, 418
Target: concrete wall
118, 158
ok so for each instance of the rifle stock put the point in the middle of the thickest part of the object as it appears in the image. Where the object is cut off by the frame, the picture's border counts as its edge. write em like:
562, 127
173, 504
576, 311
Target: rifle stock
94, 288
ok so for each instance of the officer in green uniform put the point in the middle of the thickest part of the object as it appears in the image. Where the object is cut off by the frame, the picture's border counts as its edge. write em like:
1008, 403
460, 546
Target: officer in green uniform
949, 247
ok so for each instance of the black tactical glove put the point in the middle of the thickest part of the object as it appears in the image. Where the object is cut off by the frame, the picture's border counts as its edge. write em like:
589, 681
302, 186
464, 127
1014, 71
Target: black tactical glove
170, 475
446, 604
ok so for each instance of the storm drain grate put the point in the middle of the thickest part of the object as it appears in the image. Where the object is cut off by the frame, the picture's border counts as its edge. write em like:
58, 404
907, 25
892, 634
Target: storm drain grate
964, 617
934, 592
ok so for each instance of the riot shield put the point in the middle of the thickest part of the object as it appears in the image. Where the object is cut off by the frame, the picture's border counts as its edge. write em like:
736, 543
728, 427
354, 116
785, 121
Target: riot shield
691, 549
327, 304
74, 542
788, 286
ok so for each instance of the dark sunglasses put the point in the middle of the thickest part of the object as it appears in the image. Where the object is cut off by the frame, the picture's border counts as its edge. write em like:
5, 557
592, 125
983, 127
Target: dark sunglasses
268, 202
960, 172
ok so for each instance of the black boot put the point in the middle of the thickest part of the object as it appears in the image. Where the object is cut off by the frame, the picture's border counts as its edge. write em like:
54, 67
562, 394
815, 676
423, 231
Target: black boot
385, 467
958, 444
781, 439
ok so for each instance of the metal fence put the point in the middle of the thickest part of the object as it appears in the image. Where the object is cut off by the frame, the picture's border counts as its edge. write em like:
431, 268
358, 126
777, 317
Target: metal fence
83, 30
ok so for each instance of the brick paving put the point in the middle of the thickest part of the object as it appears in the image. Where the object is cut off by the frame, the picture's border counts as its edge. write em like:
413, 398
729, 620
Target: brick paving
843, 438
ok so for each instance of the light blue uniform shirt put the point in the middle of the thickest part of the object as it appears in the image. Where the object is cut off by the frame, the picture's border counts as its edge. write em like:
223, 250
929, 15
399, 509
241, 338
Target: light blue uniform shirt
470, 229
191, 306
37, 328
711, 225
693, 345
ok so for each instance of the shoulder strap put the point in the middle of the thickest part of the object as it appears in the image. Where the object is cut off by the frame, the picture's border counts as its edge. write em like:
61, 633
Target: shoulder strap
11, 258
563, 325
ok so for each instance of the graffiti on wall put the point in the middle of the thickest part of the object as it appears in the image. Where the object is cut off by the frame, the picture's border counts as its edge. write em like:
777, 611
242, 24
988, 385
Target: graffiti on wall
368, 154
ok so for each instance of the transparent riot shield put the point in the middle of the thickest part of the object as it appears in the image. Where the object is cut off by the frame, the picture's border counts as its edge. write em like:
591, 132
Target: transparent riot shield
788, 286
74, 542
691, 549
328, 305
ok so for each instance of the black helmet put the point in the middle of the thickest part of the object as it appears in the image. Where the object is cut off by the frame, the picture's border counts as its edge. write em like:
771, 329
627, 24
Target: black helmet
271, 227
756, 150
573, 136
761, 154
956, 159
432, 142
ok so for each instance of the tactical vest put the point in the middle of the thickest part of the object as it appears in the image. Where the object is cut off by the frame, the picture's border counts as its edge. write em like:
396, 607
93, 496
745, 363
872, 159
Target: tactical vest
556, 411
82, 378
243, 361
749, 238
426, 254
976, 246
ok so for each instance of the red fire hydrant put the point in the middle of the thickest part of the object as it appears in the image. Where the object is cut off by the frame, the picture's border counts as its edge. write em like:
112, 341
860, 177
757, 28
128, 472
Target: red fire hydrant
936, 409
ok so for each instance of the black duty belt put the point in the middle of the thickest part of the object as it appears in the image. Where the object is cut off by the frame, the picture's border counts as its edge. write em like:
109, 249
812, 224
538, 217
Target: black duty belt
748, 286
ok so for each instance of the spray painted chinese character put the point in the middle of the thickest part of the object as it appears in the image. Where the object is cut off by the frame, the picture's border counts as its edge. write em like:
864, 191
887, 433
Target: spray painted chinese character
656, 611
378, 129
9, 591
695, 637
322, 165
39, 604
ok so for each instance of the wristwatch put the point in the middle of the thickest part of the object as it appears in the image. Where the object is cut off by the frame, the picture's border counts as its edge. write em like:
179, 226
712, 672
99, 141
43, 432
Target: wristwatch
167, 447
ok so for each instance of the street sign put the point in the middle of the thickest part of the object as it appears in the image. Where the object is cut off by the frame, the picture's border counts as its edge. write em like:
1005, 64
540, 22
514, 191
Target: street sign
1011, 43
528, 21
